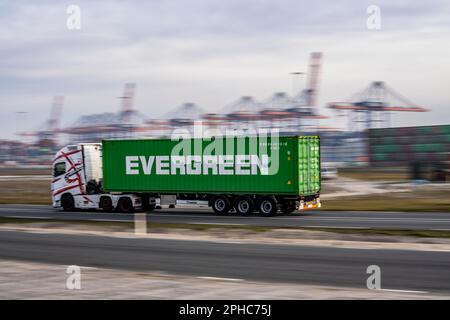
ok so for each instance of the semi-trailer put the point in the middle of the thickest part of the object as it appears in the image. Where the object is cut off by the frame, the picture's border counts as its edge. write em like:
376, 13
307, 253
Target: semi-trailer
241, 174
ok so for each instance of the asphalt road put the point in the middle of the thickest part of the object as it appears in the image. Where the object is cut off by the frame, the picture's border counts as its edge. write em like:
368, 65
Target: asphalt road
314, 218
400, 269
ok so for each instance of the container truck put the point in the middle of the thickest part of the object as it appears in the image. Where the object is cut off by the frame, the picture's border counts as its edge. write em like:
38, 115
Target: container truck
237, 174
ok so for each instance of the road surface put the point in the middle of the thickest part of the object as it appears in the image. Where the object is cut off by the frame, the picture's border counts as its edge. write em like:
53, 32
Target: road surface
408, 270
314, 218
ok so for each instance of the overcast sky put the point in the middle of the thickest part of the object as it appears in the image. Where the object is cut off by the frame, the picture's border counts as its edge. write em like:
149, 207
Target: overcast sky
212, 52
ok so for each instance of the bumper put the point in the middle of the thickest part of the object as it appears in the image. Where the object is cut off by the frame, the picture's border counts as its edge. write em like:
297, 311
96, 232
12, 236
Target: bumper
56, 204
310, 205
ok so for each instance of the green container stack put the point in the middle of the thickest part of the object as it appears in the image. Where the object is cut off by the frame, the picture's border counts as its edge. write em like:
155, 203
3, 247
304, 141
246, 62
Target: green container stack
399, 147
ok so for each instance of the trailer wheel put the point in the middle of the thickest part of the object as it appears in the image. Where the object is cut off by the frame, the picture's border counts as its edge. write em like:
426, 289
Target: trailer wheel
125, 205
67, 202
288, 207
267, 206
221, 205
106, 204
244, 205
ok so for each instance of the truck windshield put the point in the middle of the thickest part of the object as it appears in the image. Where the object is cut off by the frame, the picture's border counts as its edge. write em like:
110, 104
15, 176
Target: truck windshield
59, 169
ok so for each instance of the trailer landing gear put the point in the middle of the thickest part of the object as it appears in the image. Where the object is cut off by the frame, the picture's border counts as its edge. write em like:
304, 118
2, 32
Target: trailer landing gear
288, 207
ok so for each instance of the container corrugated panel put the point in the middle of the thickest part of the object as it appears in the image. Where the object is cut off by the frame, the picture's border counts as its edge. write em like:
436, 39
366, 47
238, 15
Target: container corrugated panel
294, 166
309, 165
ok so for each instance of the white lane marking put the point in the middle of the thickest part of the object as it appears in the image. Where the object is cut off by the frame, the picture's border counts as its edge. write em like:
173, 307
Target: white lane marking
201, 223
402, 291
15, 209
368, 219
307, 219
220, 279
103, 220
333, 227
26, 217
91, 218
348, 218
408, 219
70, 220
219, 223
298, 218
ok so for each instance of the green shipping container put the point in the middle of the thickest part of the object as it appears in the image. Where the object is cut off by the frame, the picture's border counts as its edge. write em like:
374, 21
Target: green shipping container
283, 166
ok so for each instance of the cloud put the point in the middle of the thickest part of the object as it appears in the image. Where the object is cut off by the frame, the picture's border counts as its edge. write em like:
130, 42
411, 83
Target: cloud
212, 52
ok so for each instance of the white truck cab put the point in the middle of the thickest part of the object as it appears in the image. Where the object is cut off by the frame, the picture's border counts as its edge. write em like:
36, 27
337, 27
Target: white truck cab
77, 181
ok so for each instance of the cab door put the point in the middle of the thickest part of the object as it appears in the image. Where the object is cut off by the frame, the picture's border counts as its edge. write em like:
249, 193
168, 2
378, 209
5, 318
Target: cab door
59, 171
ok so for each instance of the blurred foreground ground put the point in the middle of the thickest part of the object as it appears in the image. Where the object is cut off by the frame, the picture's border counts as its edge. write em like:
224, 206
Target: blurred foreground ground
20, 280
176, 264
216, 262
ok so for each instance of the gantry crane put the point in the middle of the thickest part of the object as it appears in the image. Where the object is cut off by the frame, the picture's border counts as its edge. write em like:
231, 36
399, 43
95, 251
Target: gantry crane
371, 107
47, 133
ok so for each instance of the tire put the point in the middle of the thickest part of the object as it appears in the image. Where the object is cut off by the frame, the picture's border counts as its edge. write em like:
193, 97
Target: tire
221, 205
244, 205
125, 205
67, 202
106, 204
267, 206
288, 207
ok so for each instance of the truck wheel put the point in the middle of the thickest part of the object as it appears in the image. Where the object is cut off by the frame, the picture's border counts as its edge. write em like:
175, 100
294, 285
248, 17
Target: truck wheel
221, 205
67, 202
125, 205
267, 206
288, 207
106, 204
244, 205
